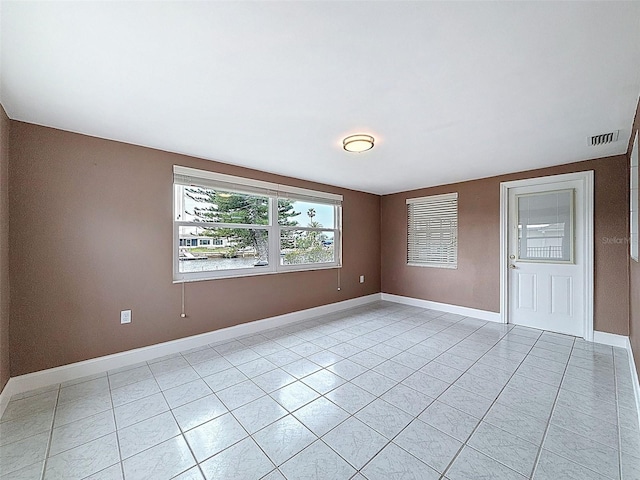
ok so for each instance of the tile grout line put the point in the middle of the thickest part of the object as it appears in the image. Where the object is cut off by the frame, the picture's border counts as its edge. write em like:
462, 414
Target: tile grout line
136, 423
53, 419
181, 431
450, 464
578, 434
379, 397
115, 424
111, 402
553, 408
181, 434
436, 398
358, 471
619, 424
229, 411
353, 415
463, 372
400, 331
369, 332
249, 436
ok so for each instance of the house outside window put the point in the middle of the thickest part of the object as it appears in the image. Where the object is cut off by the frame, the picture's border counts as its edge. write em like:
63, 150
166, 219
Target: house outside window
250, 227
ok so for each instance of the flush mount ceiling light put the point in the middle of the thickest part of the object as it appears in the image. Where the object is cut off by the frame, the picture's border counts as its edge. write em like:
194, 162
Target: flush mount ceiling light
358, 143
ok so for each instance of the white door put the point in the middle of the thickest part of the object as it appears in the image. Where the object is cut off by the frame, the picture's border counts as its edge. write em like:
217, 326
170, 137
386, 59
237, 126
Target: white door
547, 256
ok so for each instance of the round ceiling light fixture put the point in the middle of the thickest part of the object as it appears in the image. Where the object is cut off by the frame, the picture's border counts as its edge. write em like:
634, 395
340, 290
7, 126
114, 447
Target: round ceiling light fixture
358, 143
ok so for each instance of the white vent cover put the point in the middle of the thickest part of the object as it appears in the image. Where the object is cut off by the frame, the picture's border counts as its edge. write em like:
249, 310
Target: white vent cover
603, 138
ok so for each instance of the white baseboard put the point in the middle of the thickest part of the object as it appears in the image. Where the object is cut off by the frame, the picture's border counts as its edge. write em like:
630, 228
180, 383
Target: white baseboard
610, 339
7, 392
634, 376
443, 307
51, 376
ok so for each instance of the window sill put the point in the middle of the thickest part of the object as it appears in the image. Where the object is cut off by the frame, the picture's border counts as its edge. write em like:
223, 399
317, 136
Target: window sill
434, 265
256, 274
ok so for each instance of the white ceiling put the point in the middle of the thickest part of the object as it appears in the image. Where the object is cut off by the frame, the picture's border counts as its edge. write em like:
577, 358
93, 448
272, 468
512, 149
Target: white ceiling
451, 91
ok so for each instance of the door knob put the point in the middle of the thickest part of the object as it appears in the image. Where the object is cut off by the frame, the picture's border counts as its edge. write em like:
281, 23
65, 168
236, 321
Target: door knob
511, 265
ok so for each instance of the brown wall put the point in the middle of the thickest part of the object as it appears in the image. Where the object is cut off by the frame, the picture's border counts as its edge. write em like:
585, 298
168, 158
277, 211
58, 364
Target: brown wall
4, 248
476, 281
634, 275
91, 234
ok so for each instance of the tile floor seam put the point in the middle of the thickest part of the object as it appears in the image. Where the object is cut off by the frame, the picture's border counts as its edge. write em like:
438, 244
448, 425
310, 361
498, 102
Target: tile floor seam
359, 332
546, 430
465, 443
528, 477
435, 399
249, 435
354, 414
113, 410
319, 439
180, 434
618, 426
579, 464
46, 456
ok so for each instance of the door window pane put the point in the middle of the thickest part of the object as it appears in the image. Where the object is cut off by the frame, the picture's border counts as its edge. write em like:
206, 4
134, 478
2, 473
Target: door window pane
545, 227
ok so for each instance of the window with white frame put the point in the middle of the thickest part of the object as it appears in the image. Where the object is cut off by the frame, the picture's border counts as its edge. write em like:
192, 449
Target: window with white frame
432, 234
633, 217
243, 227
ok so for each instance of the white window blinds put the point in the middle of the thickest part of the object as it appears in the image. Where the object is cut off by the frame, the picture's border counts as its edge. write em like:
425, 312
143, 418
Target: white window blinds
191, 177
432, 239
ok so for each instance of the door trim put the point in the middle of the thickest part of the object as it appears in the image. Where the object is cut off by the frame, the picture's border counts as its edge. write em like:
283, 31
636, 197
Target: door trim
587, 199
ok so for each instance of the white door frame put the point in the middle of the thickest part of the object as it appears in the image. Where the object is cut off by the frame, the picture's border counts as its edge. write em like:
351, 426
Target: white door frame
587, 199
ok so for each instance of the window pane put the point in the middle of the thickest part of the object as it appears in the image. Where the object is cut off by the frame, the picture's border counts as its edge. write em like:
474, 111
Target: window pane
303, 246
545, 226
209, 205
305, 214
231, 248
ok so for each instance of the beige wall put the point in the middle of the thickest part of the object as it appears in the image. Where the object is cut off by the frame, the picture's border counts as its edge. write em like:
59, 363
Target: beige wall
4, 248
91, 234
634, 277
476, 282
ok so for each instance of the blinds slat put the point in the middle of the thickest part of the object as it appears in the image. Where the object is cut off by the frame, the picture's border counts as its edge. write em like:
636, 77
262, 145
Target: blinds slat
309, 199
433, 230
196, 182
201, 178
433, 198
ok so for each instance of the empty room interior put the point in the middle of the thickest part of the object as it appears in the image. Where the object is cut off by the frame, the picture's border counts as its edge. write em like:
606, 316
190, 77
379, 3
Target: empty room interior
319, 240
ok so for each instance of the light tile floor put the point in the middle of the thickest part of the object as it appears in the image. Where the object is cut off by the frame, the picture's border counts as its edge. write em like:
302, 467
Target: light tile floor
384, 391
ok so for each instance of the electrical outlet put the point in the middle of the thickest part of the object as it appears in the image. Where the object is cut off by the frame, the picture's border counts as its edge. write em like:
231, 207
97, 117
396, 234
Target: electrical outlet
125, 316
361, 278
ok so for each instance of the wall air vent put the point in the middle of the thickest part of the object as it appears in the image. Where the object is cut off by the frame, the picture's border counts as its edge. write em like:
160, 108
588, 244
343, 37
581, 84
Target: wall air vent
603, 138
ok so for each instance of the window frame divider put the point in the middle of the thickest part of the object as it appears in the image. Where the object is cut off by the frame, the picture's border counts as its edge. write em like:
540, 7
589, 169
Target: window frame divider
273, 192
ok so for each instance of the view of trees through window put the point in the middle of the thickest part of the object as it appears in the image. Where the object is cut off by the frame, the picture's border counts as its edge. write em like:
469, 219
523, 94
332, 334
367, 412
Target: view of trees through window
304, 246
230, 230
